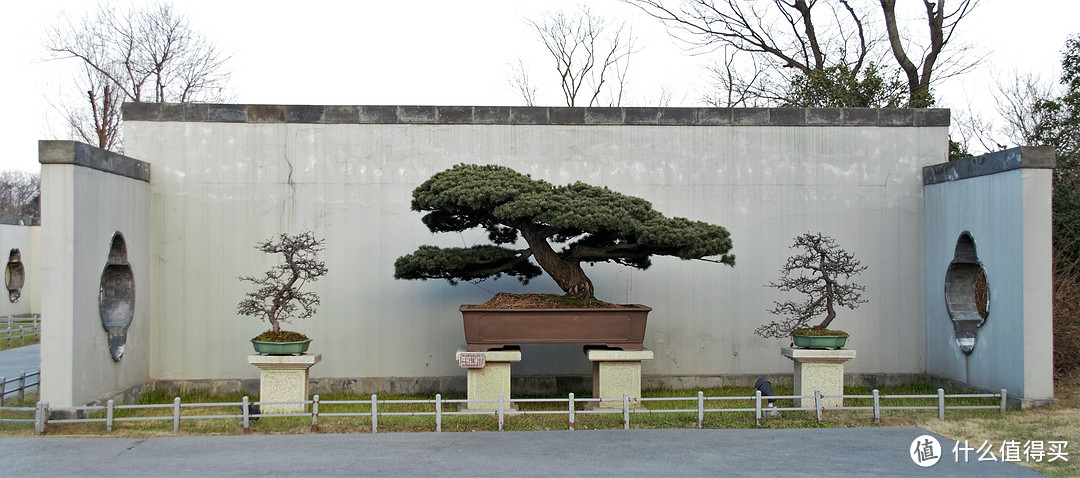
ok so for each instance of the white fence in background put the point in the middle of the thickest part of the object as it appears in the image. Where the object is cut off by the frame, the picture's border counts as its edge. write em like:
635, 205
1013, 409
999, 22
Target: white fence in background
42, 411
19, 329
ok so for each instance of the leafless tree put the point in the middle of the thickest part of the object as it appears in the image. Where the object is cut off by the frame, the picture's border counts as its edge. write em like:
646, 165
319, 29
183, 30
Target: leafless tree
278, 297
739, 84
147, 53
521, 82
782, 37
20, 196
591, 55
787, 38
941, 25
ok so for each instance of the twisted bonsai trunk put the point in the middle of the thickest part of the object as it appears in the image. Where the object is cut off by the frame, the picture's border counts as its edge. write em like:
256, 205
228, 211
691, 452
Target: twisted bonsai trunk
568, 274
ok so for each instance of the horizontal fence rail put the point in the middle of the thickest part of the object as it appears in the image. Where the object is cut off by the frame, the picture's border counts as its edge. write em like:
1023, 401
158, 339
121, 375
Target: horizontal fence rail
17, 331
247, 411
22, 383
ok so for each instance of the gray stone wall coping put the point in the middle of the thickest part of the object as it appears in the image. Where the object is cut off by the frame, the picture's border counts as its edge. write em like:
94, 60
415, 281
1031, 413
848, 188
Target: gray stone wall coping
82, 154
534, 115
1021, 157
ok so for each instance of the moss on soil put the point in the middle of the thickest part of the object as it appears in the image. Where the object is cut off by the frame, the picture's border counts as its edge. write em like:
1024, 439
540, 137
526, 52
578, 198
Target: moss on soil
812, 332
504, 300
282, 336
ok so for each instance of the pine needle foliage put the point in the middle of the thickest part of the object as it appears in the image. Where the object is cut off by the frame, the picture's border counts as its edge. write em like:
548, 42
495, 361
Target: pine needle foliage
587, 224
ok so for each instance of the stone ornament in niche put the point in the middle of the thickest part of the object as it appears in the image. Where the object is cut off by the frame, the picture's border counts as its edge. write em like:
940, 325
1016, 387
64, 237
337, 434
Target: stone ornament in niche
116, 298
14, 276
967, 295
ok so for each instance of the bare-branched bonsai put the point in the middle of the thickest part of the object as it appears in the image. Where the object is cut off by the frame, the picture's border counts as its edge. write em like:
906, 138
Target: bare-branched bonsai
823, 273
278, 297
562, 226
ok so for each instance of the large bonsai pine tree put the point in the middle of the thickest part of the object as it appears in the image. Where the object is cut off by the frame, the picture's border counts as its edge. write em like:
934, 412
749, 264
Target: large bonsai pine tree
586, 223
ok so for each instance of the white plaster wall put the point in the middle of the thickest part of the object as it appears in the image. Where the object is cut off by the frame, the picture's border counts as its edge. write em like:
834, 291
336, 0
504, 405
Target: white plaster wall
218, 188
81, 210
1008, 216
26, 240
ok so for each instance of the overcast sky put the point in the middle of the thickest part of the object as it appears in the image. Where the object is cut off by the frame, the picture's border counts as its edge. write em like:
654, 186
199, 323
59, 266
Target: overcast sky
427, 52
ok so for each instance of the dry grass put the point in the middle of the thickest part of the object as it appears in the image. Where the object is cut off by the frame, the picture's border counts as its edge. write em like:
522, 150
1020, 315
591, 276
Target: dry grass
1057, 422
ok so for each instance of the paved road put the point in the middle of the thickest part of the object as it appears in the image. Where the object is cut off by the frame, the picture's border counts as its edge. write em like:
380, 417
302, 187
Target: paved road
793, 452
20, 359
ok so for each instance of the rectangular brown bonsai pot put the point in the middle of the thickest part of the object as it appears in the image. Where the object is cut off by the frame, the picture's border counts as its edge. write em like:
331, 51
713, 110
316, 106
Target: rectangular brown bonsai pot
622, 328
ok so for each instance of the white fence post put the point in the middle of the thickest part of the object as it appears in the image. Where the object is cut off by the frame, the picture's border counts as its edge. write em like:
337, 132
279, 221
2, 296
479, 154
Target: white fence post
109, 416
438, 412
315, 413
176, 415
571, 410
41, 417
757, 406
626, 410
1004, 400
22, 385
700, 408
500, 412
941, 403
818, 404
877, 406
374, 414
246, 416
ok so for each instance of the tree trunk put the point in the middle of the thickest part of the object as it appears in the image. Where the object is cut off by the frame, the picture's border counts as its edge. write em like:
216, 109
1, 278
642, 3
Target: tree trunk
568, 274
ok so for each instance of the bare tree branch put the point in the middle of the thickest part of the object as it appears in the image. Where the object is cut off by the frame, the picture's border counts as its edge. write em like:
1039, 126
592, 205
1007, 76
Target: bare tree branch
591, 56
148, 53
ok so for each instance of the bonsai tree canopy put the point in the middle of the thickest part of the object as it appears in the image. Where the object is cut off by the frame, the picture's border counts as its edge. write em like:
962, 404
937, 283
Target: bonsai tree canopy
278, 297
562, 226
822, 273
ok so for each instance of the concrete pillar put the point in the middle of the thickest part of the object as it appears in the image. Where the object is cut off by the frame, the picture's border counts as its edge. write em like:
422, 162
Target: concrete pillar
820, 370
616, 372
283, 378
487, 382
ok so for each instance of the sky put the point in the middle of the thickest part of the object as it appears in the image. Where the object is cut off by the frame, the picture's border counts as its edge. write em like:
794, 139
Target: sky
428, 52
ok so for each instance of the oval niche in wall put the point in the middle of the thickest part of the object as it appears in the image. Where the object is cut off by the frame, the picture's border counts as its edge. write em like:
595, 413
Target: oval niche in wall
14, 275
967, 295
116, 298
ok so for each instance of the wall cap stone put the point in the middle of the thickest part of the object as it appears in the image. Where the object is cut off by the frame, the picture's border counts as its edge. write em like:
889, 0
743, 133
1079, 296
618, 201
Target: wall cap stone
1021, 157
533, 115
82, 154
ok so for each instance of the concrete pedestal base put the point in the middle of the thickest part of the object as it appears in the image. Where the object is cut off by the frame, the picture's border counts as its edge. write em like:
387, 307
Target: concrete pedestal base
616, 372
283, 378
821, 370
494, 378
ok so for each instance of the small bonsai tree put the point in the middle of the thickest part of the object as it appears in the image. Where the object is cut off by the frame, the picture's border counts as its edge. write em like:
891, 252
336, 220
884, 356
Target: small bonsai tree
822, 272
563, 227
278, 297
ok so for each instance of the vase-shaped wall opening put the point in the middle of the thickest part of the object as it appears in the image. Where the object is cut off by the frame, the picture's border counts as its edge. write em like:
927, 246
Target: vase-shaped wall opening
14, 275
116, 298
967, 293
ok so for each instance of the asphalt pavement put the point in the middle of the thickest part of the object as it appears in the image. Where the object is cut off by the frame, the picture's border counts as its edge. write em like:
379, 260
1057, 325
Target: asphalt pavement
20, 359
789, 452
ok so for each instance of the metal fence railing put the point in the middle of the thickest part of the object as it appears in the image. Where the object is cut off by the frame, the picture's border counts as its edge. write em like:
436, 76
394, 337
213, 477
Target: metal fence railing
500, 408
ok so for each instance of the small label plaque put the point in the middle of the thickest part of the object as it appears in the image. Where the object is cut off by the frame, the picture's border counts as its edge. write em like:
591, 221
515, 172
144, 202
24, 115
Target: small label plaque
472, 360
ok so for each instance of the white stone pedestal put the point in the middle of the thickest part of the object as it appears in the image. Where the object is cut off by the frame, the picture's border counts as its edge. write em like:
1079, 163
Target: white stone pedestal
488, 382
283, 378
616, 372
821, 370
